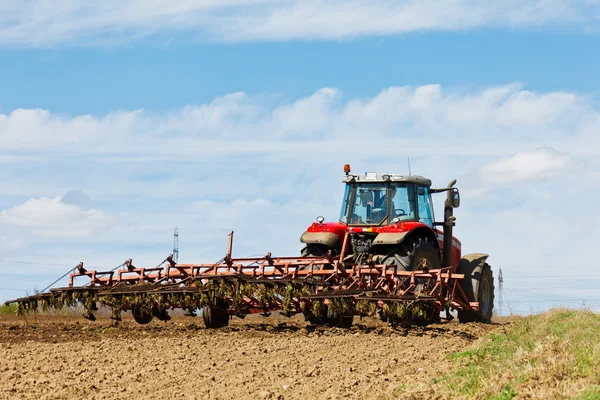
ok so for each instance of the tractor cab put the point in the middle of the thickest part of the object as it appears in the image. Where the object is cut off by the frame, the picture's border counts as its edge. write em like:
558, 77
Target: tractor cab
378, 200
386, 218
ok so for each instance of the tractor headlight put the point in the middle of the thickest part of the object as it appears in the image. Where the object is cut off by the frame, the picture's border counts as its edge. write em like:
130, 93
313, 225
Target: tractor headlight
395, 220
320, 219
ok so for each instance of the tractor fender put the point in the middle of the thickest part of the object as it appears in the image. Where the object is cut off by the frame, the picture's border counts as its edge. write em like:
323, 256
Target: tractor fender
390, 238
386, 238
471, 266
472, 260
329, 239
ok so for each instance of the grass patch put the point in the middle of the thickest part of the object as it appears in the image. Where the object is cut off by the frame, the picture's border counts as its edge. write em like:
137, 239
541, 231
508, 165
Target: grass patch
551, 355
590, 393
8, 309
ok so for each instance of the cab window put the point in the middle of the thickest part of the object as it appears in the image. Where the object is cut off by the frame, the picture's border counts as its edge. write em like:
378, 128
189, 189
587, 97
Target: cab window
425, 209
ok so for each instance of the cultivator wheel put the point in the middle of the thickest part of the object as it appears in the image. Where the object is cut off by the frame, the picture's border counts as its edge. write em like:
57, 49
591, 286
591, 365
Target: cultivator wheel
338, 319
141, 315
215, 317
161, 314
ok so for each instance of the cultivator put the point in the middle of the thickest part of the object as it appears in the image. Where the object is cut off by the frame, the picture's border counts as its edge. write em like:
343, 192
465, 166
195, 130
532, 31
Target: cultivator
326, 289
385, 257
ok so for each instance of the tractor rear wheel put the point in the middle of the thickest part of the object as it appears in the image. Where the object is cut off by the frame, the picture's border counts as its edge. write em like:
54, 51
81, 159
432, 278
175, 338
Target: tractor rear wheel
478, 286
141, 316
215, 317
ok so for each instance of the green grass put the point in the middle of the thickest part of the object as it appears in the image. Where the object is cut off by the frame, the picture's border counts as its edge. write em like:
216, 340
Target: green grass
591, 393
10, 309
551, 355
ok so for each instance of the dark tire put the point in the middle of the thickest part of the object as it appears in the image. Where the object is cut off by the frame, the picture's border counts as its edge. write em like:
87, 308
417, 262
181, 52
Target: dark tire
161, 315
315, 319
337, 320
413, 254
215, 317
315, 250
141, 316
382, 317
410, 255
428, 315
478, 286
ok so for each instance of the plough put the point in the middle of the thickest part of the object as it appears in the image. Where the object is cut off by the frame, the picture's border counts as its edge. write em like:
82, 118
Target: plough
354, 267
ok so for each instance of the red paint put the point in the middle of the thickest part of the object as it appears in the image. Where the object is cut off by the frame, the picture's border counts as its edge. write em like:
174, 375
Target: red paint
341, 229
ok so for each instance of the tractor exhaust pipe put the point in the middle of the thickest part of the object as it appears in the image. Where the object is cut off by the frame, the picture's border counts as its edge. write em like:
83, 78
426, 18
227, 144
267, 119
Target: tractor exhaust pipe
452, 200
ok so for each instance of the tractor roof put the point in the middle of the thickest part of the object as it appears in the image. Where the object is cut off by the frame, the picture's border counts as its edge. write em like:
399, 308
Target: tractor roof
375, 177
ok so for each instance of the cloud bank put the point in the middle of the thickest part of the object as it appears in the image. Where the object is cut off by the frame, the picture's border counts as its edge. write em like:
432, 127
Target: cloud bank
240, 124
79, 22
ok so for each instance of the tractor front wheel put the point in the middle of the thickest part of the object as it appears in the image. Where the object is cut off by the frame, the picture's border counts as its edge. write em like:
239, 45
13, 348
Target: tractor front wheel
315, 250
412, 255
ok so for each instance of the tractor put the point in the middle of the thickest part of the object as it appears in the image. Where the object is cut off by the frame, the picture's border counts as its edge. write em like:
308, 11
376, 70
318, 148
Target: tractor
389, 219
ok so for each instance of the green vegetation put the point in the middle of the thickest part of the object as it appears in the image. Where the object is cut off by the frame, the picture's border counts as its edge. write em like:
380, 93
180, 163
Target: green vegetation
551, 355
8, 309
591, 393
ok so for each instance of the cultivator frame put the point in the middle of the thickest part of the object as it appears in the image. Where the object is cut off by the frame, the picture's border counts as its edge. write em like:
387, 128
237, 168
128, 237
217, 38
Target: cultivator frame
325, 289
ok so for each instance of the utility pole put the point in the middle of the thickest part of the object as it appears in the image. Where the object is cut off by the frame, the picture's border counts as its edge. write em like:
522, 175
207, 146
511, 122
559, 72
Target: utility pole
501, 292
176, 245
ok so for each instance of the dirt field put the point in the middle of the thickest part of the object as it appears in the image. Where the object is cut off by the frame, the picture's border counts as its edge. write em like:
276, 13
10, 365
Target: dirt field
52, 357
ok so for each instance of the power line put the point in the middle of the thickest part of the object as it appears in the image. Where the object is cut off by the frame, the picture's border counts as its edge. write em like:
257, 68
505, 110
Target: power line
32, 263
555, 298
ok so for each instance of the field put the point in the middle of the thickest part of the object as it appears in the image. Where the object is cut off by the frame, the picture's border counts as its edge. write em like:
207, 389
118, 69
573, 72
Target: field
553, 355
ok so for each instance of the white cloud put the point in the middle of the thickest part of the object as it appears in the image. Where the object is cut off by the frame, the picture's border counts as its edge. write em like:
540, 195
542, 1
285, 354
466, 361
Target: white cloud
240, 124
40, 23
52, 219
527, 166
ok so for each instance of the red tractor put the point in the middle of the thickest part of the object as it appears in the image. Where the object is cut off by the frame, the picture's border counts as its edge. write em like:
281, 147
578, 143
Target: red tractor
384, 256
389, 219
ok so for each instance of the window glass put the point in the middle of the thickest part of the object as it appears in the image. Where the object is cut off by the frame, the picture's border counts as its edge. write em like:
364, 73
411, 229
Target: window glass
403, 201
345, 202
425, 211
370, 204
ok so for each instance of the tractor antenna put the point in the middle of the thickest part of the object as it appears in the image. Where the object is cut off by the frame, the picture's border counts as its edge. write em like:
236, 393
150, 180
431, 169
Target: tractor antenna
409, 166
176, 245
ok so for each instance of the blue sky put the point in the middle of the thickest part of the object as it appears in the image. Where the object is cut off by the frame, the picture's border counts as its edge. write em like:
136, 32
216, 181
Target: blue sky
121, 120
162, 73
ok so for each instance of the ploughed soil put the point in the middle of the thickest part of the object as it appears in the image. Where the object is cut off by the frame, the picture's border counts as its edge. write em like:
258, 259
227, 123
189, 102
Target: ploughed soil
61, 356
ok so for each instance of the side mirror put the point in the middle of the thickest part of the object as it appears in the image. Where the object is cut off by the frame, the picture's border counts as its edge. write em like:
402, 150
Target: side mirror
455, 199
